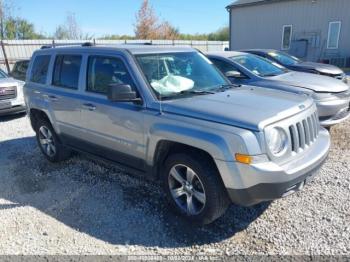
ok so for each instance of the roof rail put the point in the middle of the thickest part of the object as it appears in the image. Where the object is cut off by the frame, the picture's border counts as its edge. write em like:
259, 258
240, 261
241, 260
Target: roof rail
86, 44
46, 47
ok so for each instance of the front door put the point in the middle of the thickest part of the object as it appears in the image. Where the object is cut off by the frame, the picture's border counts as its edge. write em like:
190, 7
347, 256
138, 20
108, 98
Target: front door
115, 130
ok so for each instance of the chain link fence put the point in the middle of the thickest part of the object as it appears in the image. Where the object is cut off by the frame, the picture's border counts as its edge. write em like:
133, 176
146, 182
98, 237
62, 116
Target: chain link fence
15, 50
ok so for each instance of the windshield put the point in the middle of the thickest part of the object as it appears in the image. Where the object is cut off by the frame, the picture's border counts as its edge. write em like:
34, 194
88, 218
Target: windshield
3, 74
174, 74
259, 66
284, 58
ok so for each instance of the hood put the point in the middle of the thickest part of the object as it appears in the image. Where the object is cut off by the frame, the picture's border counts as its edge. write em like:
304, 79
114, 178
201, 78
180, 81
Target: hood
247, 107
4, 82
316, 83
322, 68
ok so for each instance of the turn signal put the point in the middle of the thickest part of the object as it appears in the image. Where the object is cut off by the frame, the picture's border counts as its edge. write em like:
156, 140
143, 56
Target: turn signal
244, 159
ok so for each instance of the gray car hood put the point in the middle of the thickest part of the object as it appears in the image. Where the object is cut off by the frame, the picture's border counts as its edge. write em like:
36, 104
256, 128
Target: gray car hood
323, 68
247, 107
317, 83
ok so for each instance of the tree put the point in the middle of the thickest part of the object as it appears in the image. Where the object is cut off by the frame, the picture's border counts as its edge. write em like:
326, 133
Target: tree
167, 31
222, 34
146, 26
70, 29
5, 13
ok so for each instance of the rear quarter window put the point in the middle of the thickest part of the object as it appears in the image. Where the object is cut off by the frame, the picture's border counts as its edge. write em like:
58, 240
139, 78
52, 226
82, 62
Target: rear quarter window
40, 68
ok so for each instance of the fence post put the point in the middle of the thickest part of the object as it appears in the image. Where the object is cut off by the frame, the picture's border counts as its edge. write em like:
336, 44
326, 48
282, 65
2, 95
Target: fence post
5, 57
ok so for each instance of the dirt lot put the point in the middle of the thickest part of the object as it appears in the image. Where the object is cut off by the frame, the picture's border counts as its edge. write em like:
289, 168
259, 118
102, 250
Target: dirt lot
82, 207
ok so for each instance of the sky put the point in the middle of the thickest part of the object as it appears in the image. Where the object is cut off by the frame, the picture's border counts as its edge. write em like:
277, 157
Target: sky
105, 17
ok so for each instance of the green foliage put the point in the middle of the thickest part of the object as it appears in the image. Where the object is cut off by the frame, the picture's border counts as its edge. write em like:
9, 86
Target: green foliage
18, 28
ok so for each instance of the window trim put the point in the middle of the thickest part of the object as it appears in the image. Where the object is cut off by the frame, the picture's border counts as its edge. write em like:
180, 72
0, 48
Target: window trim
290, 37
54, 69
329, 35
91, 56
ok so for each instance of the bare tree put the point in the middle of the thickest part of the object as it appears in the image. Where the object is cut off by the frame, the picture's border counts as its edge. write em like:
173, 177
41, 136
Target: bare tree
146, 26
168, 32
70, 29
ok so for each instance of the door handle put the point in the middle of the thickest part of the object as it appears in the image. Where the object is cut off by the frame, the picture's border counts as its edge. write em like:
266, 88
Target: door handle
89, 106
53, 98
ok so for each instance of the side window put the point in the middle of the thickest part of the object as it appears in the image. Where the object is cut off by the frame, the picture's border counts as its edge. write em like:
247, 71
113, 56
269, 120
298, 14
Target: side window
104, 71
223, 66
333, 35
39, 69
66, 71
286, 37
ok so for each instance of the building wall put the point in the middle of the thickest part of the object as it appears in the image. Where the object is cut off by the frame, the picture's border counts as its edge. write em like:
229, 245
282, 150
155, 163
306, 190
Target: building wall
260, 26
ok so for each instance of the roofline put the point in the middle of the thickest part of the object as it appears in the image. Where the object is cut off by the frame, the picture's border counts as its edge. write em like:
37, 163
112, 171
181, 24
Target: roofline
258, 2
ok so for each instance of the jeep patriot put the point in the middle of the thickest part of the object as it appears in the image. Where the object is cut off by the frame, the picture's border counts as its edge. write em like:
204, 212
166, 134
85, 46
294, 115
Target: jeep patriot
171, 115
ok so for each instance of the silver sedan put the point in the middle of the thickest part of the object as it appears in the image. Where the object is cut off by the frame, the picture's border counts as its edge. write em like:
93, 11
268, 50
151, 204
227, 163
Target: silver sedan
331, 95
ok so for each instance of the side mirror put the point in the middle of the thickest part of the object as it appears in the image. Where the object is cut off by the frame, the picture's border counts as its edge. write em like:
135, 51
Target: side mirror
121, 93
234, 74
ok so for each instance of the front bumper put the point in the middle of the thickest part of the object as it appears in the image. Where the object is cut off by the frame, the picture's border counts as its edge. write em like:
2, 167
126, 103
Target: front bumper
251, 184
9, 107
333, 112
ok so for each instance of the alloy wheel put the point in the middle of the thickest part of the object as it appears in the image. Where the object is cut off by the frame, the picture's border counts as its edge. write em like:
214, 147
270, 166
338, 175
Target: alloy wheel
186, 189
46, 141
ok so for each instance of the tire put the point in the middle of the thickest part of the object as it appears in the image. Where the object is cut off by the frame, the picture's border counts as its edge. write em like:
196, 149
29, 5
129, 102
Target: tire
206, 191
49, 142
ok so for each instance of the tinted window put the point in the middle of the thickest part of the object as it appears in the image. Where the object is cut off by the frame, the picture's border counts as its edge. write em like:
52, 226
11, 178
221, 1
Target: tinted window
39, 69
19, 70
223, 66
66, 72
284, 58
104, 71
258, 65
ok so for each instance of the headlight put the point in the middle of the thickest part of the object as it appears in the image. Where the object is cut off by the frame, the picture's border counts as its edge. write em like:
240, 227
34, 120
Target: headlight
276, 140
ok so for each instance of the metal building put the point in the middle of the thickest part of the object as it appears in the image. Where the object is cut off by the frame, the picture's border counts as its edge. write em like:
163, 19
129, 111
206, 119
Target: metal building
316, 30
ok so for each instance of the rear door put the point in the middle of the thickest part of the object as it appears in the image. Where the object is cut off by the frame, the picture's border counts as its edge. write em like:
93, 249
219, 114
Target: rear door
115, 130
63, 95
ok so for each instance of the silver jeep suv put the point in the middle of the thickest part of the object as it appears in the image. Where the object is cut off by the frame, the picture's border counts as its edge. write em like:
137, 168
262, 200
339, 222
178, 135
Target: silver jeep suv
169, 114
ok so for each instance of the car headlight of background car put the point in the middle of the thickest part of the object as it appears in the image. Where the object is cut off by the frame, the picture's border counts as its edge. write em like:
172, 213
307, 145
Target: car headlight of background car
277, 141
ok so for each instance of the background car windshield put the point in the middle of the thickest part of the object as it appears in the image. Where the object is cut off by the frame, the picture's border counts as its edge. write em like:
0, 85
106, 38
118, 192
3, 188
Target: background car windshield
284, 58
3, 74
259, 66
171, 74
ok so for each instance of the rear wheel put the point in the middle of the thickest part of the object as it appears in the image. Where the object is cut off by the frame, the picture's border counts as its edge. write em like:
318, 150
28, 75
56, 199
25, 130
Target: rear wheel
49, 143
194, 188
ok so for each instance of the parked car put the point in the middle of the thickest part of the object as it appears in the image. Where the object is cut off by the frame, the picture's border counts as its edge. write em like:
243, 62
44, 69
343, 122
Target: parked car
11, 95
332, 97
19, 70
296, 64
169, 114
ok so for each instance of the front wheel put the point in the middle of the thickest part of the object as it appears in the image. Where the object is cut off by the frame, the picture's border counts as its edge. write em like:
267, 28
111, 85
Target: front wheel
194, 188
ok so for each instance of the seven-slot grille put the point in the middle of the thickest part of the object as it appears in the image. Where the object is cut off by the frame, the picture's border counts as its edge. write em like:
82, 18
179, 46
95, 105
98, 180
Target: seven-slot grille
304, 133
8, 92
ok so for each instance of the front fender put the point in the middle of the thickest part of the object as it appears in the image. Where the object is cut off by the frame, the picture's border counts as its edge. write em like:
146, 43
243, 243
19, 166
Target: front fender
213, 143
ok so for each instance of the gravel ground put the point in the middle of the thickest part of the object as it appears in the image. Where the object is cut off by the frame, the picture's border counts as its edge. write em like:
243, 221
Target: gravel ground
83, 207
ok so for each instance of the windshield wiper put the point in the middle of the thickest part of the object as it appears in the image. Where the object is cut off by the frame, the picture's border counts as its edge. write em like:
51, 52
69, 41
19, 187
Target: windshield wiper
196, 92
227, 87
